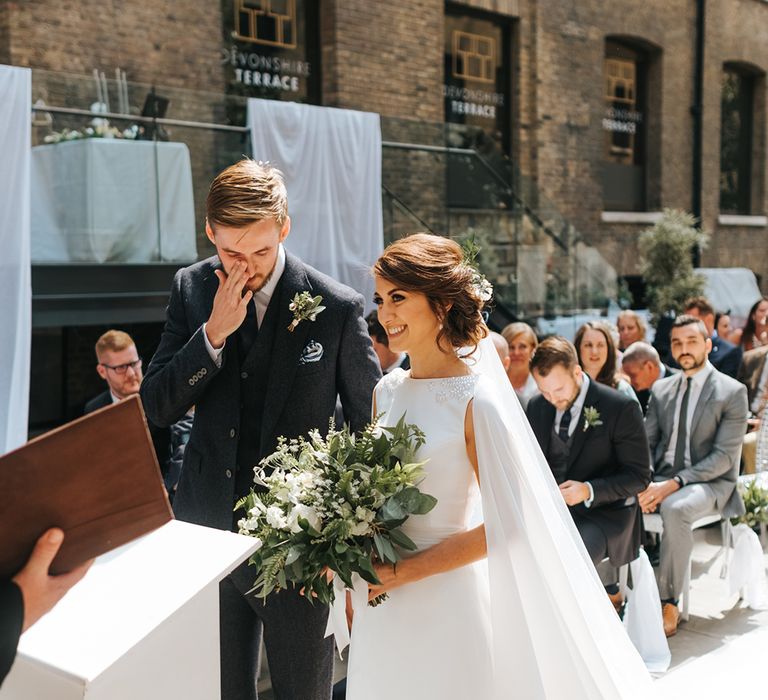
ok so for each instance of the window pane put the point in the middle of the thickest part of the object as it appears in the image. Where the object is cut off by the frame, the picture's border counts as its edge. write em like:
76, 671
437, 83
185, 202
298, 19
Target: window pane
736, 143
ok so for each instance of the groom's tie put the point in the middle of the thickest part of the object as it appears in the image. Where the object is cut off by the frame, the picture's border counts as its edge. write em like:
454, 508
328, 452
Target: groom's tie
565, 422
246, 334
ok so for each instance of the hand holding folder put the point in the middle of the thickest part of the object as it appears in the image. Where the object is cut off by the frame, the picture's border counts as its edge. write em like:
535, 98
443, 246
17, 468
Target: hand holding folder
96, 478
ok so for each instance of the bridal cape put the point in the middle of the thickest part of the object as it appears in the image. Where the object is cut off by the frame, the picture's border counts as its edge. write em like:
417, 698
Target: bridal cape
555, 635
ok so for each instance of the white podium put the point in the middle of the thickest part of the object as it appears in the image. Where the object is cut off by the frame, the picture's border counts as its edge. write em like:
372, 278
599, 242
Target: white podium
142, 624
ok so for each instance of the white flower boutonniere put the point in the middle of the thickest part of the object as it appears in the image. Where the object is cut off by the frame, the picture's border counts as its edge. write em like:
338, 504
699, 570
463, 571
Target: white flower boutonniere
591, 418
305, 307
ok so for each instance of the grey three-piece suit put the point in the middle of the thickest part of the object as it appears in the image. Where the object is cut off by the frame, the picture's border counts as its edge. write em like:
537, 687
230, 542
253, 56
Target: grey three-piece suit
286, 384
715, 438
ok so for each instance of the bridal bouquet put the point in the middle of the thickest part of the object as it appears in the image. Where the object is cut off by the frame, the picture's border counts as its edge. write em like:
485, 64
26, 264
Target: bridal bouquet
334, 503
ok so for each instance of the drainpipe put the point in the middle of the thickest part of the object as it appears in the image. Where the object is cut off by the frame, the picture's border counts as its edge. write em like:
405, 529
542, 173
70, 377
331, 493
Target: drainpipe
697, 112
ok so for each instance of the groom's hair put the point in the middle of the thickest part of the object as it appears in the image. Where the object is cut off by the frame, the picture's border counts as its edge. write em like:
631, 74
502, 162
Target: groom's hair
247, 192
551, 352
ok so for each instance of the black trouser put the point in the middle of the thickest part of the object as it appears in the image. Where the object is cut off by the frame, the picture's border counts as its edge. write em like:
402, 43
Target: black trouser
300, 657
597, 547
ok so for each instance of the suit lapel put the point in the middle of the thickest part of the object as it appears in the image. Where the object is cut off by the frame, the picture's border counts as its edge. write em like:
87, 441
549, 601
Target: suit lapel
287, 347
701, 405
545, 426
580, 435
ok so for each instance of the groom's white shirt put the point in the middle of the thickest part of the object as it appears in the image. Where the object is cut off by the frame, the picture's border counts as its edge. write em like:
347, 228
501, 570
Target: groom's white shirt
261, 299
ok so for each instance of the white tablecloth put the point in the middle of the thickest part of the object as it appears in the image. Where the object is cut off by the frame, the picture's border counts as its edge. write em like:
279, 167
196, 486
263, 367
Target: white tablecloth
96, 200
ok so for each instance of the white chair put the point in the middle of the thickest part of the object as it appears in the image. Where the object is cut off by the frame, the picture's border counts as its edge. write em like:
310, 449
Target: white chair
653, 523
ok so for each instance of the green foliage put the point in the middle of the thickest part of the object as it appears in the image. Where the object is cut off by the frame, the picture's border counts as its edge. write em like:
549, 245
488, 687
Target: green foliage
334, 503
756, 503
666, 265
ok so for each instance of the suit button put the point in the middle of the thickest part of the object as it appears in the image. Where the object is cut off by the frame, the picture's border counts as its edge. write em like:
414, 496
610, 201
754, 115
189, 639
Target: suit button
192, 381
232, 433
203, 371
228, 473
243, 375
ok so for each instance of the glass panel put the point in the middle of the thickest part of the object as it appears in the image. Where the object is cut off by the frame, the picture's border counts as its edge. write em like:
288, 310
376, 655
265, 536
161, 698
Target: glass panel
736, 143
623, 125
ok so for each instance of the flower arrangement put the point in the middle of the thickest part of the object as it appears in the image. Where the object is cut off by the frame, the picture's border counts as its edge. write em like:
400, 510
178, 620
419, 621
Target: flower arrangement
334, 503
755, 495
304, 307
591, 418
100, 130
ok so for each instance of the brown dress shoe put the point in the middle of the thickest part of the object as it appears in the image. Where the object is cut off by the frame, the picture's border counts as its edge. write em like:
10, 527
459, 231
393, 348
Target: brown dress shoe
671, 617
617, 599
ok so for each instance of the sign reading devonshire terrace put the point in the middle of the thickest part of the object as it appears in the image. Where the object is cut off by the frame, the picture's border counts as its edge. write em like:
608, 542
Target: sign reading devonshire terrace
271, 49
476, 88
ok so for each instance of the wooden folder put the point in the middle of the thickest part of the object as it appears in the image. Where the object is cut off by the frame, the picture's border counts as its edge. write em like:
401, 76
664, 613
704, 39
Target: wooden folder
96, 478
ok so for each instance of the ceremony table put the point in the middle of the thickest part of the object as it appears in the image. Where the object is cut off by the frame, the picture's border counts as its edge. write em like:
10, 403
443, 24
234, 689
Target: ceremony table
142, 624
98, 200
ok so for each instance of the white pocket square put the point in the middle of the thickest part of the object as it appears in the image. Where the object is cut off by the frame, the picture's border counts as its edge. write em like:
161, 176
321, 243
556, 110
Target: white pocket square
311, 353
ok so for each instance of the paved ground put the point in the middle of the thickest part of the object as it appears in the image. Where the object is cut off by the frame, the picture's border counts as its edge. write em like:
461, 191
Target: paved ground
720, 653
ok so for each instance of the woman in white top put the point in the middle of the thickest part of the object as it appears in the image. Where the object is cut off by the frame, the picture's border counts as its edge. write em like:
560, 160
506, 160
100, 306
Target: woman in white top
522, 341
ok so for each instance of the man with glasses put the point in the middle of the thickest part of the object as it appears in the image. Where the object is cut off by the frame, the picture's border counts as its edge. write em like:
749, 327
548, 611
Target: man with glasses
119, 365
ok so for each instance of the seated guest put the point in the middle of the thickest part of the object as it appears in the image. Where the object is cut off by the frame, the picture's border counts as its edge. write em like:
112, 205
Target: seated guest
641, 363
753, 373
502, 348
755, 333
724, 329
597, 357
695, 426
631, 328
120, 366
387, 359
724, 356
522, 341
593, 439
31, 593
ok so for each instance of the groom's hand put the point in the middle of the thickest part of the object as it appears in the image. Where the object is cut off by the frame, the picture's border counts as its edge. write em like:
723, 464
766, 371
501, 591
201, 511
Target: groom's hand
229, 305
574, 492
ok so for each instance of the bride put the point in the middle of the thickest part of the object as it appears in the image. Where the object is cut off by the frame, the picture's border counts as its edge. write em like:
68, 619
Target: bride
512, 608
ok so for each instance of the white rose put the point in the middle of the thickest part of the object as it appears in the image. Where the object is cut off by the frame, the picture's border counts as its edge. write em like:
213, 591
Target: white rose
358, 529
308, 513
276, 519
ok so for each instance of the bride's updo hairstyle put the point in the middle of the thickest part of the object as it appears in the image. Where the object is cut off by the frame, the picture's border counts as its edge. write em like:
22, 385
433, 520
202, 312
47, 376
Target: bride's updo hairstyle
434, 266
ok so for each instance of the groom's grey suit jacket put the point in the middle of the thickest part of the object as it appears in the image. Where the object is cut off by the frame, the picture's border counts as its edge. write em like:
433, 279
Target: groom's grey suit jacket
297, 392
717, 432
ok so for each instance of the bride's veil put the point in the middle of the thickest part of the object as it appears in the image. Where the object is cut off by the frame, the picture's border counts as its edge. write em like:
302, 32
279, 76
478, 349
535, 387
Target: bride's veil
555, 633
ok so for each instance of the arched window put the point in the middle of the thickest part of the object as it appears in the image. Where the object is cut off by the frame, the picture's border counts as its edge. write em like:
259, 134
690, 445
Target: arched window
737, 147
628, 70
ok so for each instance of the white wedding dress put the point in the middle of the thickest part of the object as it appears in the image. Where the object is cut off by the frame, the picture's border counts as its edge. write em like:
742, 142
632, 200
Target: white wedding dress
532, 622
432, 638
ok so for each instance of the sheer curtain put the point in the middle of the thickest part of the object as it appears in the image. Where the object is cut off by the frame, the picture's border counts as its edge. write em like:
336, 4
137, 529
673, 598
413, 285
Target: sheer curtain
15, 270
331, 159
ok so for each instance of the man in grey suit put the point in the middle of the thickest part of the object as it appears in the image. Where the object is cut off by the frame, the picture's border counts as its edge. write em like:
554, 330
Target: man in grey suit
227, 350
695, 425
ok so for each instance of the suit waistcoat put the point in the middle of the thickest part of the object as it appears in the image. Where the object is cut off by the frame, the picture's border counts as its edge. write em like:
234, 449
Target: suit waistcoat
558, 453
254, 374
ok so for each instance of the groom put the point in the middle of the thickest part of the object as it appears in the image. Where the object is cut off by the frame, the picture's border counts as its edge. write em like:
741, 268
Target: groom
594, 440
227, 350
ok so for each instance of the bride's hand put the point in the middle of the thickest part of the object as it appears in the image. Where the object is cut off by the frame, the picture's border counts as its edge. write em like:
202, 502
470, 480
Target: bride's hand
387, 574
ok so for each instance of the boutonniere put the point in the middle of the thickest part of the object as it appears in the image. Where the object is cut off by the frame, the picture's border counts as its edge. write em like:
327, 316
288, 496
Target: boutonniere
591, 418
305, 307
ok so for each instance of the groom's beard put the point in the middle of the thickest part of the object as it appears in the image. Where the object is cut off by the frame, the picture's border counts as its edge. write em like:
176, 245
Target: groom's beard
264, 281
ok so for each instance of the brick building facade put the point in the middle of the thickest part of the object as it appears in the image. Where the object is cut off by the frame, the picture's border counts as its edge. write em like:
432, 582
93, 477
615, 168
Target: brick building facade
570, 147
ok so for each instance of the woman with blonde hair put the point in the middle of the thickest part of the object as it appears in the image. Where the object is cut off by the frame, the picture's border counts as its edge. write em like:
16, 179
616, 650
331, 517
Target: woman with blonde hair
522, 341
631, 327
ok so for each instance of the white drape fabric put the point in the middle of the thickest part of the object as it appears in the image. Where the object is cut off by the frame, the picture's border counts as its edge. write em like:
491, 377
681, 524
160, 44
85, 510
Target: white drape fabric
642, 618
555, 633
331, 160
746, 574
15, 270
